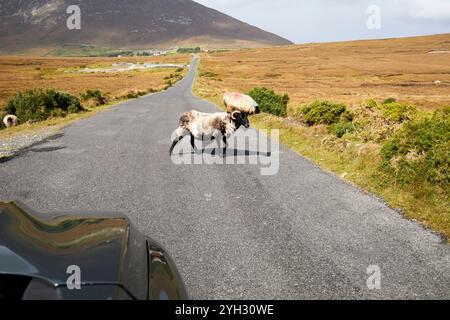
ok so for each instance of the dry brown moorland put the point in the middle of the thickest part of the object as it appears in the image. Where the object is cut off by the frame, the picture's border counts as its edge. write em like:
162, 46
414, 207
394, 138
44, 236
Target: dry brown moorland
19, 73
413, 70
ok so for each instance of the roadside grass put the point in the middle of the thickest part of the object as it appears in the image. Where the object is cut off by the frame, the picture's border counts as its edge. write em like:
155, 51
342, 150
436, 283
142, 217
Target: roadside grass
60, 122
56, 122
350, 157
424, 203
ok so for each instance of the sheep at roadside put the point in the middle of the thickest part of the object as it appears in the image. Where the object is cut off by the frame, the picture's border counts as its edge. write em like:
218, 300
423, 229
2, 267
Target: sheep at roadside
235, 101
209, 126
10, 121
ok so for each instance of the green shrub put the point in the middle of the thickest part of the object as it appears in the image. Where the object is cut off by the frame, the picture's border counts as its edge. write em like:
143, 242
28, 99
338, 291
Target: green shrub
94, 95
209, 74
325, 112
444, 112
341, 128
134, 94
189, 50
73, 109
420, 151
131, 95
371, 104
38, 105
398, 112
58, 113
270, 102
372, 126
389, 100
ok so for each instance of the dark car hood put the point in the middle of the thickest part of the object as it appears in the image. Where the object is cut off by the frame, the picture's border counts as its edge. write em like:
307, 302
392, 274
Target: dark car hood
37, 246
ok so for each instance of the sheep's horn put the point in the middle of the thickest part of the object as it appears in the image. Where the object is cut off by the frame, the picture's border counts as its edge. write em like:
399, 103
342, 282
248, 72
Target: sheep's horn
234, 116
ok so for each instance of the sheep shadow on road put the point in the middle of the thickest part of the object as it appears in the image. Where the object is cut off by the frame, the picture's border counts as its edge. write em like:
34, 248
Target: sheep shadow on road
230, 153
20, 146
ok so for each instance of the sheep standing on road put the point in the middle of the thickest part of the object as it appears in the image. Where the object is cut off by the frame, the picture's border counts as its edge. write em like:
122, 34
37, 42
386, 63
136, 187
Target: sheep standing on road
240, 102
10, 121
213, 126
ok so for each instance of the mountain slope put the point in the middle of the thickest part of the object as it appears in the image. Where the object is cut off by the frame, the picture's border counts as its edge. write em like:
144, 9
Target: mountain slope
28, 24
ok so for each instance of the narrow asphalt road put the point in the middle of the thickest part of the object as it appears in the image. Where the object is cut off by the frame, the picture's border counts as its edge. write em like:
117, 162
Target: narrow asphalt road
234, 232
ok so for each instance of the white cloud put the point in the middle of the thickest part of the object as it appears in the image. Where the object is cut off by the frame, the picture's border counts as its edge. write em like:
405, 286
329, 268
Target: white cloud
431, 9
331, 20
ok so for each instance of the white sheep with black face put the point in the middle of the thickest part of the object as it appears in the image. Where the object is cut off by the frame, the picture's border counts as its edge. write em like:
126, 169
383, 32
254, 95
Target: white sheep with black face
218, 126
235, 101
10, 121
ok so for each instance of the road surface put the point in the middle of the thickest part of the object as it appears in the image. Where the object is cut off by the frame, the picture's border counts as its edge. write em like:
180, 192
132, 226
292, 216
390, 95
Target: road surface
234, 233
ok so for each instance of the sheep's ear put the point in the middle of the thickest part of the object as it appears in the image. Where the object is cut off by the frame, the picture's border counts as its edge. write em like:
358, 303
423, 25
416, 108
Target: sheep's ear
235, 115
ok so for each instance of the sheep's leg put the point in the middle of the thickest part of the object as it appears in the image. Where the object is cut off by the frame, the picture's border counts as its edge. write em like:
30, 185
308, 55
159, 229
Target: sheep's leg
175, 142
224, 139
193, 143
225, 147
218, 142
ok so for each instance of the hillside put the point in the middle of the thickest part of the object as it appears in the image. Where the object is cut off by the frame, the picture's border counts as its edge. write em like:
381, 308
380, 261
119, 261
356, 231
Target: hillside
34, 24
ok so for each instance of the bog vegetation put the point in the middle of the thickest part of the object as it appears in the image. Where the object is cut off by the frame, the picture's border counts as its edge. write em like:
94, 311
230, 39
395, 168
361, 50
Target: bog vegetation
270, 102
39, 105
404, 153
189, 50
419, 153
96, 96
415, 146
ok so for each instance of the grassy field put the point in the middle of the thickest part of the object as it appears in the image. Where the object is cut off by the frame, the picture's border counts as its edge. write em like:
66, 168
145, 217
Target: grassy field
411, 70
19, 73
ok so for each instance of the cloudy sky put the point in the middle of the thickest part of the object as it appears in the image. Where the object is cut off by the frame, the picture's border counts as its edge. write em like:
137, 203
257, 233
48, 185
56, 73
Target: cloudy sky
332, 20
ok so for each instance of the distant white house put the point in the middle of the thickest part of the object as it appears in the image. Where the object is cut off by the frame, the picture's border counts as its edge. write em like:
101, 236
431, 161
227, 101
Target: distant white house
151, 52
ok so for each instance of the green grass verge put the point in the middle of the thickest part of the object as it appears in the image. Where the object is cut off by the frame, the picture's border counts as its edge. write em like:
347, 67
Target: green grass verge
426, 204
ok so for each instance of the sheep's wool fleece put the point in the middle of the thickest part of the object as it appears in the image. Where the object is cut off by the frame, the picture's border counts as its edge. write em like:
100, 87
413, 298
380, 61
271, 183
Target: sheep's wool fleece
239, 102
203, 124
10, 120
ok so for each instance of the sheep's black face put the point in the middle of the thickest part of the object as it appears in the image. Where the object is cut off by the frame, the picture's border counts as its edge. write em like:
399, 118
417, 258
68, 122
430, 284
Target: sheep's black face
244, 120
240, 119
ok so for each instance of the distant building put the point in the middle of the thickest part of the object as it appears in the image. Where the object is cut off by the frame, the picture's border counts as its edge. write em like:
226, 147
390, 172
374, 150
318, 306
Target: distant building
152, 52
